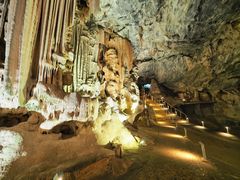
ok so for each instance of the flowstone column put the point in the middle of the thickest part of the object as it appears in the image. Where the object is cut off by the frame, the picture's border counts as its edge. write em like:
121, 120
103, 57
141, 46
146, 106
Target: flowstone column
13, 43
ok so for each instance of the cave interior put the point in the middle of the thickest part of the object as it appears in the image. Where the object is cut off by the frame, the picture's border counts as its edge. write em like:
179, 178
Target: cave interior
140, 89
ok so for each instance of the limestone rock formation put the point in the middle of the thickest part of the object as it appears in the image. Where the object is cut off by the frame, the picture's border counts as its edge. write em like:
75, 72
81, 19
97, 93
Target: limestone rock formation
80, 59
72, 71
58, 61
188, 46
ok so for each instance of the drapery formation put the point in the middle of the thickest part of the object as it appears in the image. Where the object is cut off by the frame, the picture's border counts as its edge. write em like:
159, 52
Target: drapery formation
45, 26
59, 47
57, 16
82, 56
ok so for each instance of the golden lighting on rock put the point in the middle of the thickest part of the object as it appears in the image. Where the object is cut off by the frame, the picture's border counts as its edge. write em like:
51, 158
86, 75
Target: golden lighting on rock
157, 109
152, 104
142, 142
200, 127
177, 136
182, 122
159, 115
115, 132
129, 142
180, 154
161, 122
169, 126
185, 155
228, 135
172, 115
164, 109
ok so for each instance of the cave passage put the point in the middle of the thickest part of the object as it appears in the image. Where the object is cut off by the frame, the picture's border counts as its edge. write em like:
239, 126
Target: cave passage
103, 89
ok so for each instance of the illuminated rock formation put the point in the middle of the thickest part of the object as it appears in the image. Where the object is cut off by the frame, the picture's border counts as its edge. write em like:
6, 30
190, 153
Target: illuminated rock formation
60, 63
71, 69
10, 146
191, 47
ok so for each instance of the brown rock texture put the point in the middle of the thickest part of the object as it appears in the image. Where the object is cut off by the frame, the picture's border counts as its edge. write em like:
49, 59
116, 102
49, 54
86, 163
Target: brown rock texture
188, 46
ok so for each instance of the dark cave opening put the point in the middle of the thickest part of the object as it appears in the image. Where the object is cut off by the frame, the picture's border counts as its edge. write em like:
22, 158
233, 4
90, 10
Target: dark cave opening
82, 4
66, 130
13, 120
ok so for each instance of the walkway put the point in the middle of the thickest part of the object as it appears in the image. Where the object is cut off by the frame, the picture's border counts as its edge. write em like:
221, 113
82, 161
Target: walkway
173, 150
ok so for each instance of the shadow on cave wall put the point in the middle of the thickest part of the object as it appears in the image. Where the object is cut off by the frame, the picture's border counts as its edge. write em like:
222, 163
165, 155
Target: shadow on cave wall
10, 120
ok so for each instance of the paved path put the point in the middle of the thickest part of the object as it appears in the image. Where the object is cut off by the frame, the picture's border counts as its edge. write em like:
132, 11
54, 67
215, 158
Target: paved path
177, 157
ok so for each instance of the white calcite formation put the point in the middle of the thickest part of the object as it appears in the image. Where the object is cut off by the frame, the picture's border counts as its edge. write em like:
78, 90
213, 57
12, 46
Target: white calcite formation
10, 149
8, 99
57, 109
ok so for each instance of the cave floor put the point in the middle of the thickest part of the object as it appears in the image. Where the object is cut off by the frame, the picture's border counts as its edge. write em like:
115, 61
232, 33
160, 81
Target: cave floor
166, 154
171, 155
47, 155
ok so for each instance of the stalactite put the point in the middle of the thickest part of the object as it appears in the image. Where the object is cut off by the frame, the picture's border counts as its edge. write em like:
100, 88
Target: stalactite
65, 25
59, 26
79, 60
55, 17
48, 32
83, 61
88, 60
43, 33
74, 56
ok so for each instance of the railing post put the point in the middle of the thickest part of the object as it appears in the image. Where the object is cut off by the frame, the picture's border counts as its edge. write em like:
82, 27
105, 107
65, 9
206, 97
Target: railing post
176, 125
185, 133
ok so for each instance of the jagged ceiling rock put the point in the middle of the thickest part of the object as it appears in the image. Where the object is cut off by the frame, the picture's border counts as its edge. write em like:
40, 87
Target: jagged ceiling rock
160, 28
216, 67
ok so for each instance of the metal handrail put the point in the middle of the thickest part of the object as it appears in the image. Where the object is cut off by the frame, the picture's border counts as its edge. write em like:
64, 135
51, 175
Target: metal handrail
171, 108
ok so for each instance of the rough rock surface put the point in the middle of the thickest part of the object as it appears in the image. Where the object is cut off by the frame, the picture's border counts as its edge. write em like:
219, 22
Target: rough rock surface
186, 45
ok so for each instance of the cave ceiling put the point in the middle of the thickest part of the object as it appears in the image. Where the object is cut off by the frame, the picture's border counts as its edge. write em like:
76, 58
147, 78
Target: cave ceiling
181, 43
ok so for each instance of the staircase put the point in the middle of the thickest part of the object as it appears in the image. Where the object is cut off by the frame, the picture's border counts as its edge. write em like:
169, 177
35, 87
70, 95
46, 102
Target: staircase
161, 112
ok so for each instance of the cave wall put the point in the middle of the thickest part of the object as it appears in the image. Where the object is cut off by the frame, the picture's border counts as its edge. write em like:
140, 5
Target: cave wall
188, 46
61, 63
55, 46
214, 70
